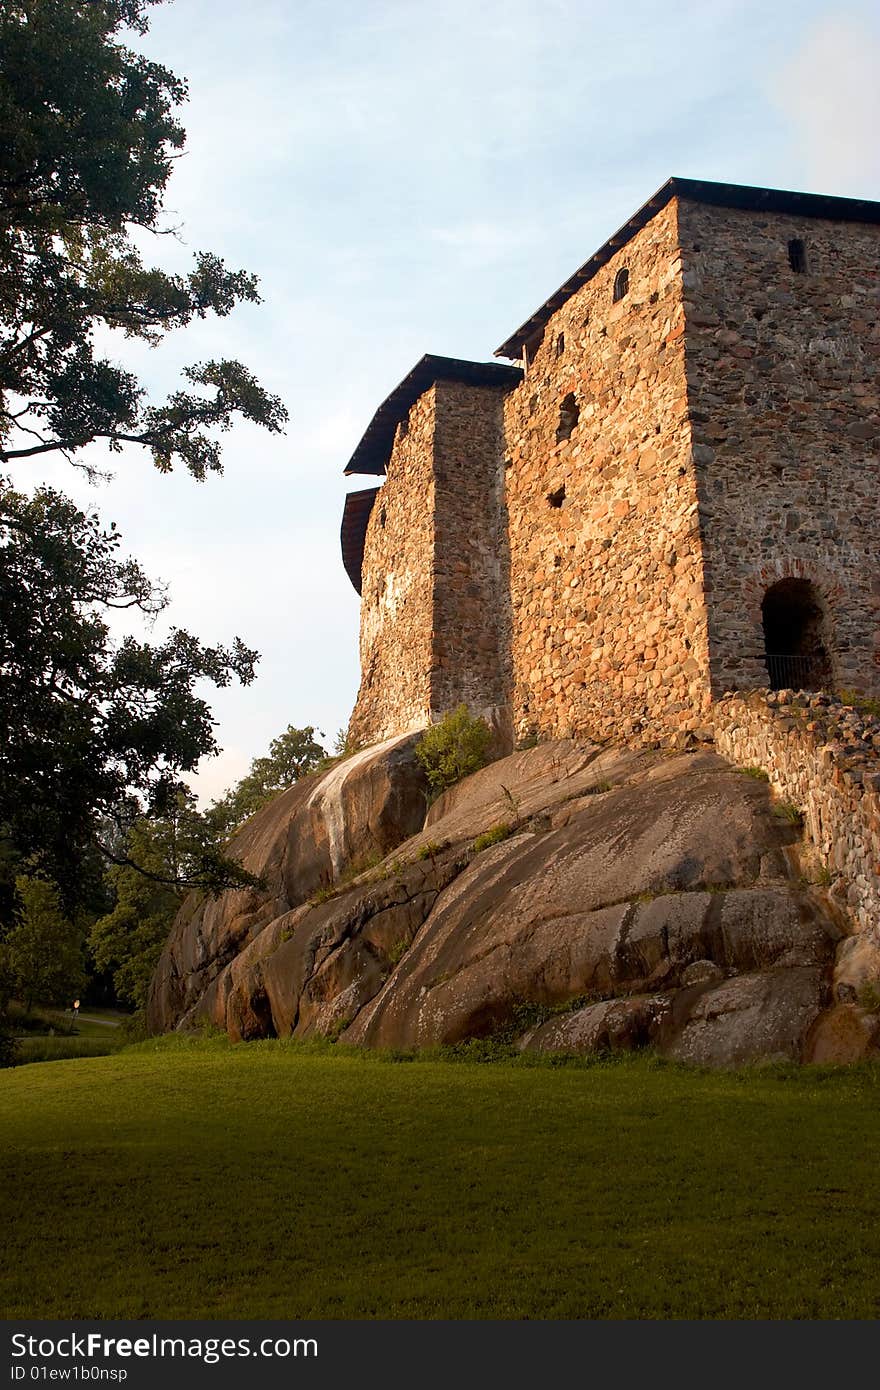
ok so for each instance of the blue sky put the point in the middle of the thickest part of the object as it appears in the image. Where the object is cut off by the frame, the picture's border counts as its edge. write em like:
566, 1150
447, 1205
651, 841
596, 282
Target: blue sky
408, 177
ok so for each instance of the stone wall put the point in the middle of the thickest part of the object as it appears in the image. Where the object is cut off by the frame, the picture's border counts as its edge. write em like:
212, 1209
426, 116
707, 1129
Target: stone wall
783, 376
597, 561
823, 758
435, 606
471, 656
397, 588
609, 622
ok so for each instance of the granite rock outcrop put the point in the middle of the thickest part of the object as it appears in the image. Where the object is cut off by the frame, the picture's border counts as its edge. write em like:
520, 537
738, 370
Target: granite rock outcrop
571, 896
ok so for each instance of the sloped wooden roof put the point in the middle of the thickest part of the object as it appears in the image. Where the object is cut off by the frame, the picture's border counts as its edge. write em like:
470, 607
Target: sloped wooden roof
358, 506
374, 450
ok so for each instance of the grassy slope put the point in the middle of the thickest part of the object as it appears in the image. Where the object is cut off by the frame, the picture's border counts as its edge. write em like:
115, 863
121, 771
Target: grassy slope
86, 1039
267, 1181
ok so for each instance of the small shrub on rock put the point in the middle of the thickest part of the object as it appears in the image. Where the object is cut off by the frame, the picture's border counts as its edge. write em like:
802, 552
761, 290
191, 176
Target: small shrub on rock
869, 996
8, 1045
453, 749
863, 703
493, 836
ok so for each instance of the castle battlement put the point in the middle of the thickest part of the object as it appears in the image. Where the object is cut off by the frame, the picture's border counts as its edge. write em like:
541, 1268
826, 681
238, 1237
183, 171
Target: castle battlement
673, 495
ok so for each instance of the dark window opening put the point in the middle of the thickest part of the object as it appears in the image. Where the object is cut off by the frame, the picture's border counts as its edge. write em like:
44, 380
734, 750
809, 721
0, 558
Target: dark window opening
569, 415
560, 345
382, 518
557, 498
797, 257
404, 427
621, 284
795, 627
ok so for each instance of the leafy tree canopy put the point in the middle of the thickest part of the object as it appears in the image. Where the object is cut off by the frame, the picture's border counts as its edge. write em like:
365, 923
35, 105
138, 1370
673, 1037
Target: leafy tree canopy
98, 731
88, 139
161, 854
128, 940
291, 755
44, 951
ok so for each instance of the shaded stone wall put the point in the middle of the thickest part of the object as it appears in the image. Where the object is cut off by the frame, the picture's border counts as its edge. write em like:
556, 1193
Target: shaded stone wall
471, 652
608, 614
823, 758
783, 374
397, 588
435, 606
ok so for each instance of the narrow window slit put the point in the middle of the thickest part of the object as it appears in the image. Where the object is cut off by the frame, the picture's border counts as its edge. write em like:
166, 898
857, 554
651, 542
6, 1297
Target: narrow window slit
797, 256
569, 414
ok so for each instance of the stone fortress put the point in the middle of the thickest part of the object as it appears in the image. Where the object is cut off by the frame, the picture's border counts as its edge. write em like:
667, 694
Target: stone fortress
672, 495
655, 532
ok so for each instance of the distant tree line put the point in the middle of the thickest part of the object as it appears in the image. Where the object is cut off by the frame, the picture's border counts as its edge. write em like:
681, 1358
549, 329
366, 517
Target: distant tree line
49, 953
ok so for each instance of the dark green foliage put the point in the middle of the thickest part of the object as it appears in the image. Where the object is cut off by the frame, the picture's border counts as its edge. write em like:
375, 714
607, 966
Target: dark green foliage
128, 940
40, 1021
43, 952
61, 1049
9, 1045
97, 731
88, 138
454, 748
291, 755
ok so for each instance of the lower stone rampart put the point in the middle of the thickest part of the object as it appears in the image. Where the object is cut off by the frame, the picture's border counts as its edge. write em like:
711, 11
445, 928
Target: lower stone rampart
822, 757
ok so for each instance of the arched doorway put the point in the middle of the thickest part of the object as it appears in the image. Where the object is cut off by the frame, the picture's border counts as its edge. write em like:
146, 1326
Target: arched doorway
794, 637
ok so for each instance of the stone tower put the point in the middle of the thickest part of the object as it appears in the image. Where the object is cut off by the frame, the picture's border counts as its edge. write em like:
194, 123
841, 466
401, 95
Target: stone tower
428, 551
677, 493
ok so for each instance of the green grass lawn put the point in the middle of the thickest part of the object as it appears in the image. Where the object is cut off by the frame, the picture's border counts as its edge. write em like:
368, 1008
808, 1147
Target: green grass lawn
201, 1180
95, 1035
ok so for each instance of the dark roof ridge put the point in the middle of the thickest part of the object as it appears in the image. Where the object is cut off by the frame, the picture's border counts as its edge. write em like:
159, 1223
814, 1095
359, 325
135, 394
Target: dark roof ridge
731, 195
374, 450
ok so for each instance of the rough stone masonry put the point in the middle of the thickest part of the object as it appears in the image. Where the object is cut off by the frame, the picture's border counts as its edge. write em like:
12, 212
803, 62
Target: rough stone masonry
675, 494
649, 531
